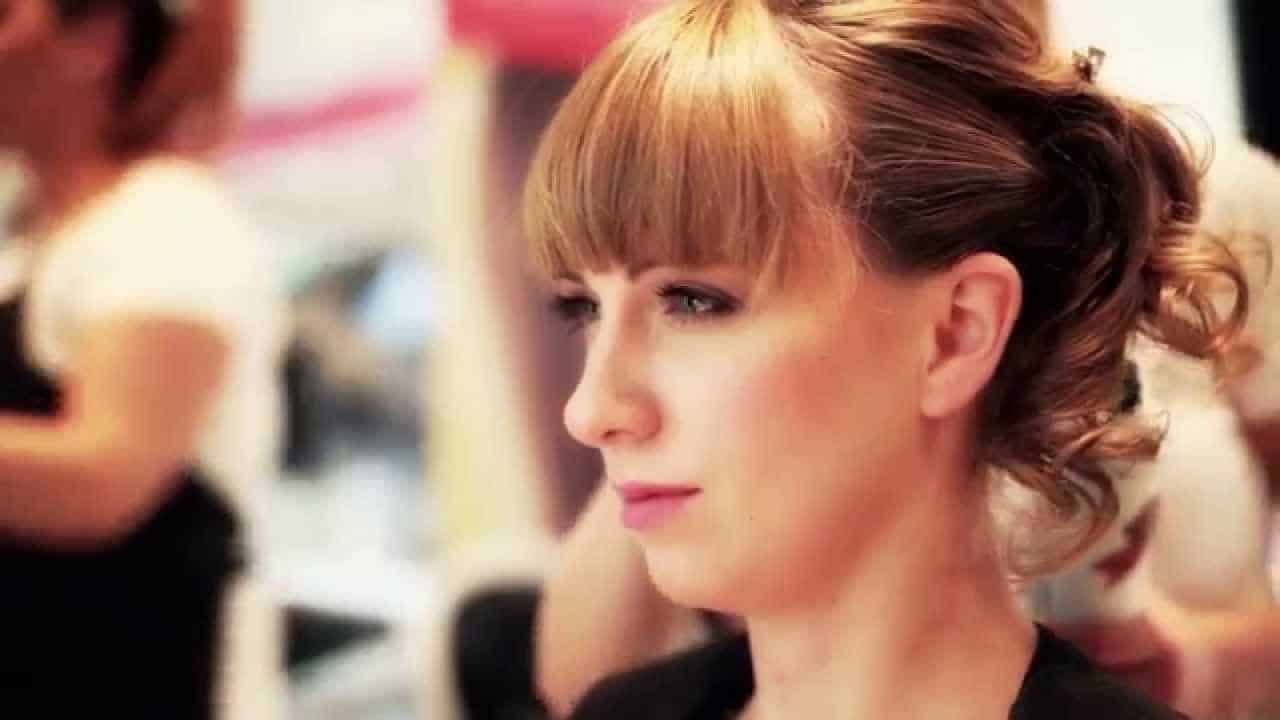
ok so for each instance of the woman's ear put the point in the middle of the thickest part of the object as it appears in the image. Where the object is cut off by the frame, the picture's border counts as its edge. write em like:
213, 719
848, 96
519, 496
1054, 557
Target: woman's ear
979, 299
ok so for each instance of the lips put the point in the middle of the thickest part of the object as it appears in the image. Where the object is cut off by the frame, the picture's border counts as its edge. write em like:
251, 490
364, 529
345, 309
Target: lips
648, 506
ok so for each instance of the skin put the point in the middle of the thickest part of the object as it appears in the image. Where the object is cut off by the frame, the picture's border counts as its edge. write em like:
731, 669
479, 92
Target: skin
829, 428
92, 473
624, 622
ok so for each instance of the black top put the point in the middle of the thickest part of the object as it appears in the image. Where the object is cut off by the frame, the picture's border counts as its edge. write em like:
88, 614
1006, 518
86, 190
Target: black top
715, 682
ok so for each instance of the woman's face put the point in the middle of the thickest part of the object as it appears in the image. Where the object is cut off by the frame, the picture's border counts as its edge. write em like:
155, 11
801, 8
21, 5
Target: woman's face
753, 432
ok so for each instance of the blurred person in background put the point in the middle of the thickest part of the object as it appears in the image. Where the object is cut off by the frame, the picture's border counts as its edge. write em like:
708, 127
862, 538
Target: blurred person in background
138, 363
1179, 598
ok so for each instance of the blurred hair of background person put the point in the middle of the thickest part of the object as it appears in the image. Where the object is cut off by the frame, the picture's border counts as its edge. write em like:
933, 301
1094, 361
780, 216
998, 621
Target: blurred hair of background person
138, 363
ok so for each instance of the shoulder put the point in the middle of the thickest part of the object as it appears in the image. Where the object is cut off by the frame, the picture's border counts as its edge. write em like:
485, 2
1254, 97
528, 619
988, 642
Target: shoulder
714, 680
160, 207
165, 240
171, 179
1063, 683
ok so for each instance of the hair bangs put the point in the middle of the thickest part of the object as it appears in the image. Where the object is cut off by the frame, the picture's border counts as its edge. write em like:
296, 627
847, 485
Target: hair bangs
691, 141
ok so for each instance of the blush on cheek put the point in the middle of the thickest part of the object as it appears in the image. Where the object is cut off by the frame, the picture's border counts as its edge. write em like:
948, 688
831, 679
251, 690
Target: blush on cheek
772, 401
790, 393
788, 423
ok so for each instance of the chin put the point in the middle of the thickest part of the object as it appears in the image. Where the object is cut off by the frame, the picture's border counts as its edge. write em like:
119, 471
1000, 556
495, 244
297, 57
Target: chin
691, 578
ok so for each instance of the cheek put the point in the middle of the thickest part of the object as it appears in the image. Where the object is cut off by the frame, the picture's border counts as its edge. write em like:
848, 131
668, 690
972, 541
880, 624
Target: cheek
758, 397
787, 421
823, 421
789, 429
822, 396
791, 447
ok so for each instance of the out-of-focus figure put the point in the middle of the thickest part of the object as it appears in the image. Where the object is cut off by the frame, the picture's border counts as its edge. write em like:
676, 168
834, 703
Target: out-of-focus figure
1179, 598
139, 338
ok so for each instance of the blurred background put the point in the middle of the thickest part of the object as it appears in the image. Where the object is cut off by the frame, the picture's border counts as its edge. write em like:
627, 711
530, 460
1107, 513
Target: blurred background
379, 153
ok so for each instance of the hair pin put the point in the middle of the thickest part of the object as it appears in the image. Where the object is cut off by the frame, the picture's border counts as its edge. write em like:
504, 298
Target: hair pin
1088, 62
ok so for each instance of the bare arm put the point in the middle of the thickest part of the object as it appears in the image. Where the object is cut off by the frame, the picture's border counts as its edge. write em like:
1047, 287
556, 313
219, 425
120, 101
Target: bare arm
600, 613
135, 394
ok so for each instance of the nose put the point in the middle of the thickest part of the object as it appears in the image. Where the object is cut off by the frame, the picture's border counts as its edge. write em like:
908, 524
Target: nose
612, 403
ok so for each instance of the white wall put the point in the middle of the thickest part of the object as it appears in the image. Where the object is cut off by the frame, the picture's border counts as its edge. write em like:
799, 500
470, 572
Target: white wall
336, 90
1166, 51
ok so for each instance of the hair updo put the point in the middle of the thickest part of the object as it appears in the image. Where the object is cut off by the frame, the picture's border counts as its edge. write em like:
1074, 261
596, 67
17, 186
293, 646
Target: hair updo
929, 130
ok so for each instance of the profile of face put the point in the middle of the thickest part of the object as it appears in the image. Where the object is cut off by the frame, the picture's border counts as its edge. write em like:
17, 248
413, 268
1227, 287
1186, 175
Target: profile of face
761, 435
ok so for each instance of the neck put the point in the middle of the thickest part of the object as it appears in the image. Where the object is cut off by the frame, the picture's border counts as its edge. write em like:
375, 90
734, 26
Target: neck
66, 177
928, 629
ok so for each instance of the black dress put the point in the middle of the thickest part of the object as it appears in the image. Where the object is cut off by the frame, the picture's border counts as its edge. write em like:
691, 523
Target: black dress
129, 630
715, 683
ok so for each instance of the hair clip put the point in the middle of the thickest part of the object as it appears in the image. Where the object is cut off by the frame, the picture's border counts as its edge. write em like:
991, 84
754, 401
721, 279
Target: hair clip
1088, 62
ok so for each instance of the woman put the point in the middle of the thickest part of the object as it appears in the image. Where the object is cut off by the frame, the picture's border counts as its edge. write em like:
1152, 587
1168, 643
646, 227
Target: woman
138, 348
837, 265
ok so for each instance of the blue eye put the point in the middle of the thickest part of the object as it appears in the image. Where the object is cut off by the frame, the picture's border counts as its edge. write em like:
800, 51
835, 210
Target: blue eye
693, 303
577, 311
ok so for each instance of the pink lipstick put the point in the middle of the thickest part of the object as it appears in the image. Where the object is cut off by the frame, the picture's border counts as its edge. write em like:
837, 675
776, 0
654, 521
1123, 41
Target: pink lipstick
646, 506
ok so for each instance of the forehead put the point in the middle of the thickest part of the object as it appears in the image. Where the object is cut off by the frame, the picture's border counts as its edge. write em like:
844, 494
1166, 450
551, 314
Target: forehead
685, 145
820, 268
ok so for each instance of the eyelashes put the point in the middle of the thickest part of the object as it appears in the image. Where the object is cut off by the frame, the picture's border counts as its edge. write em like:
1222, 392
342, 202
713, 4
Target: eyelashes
685, 303
681, 302
575, 311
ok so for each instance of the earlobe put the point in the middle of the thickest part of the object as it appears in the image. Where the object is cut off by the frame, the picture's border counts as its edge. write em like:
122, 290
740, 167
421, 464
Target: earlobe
979, 301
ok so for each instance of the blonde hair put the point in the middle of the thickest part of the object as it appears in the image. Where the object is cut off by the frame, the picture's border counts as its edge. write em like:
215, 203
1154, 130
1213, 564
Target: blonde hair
751, 131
